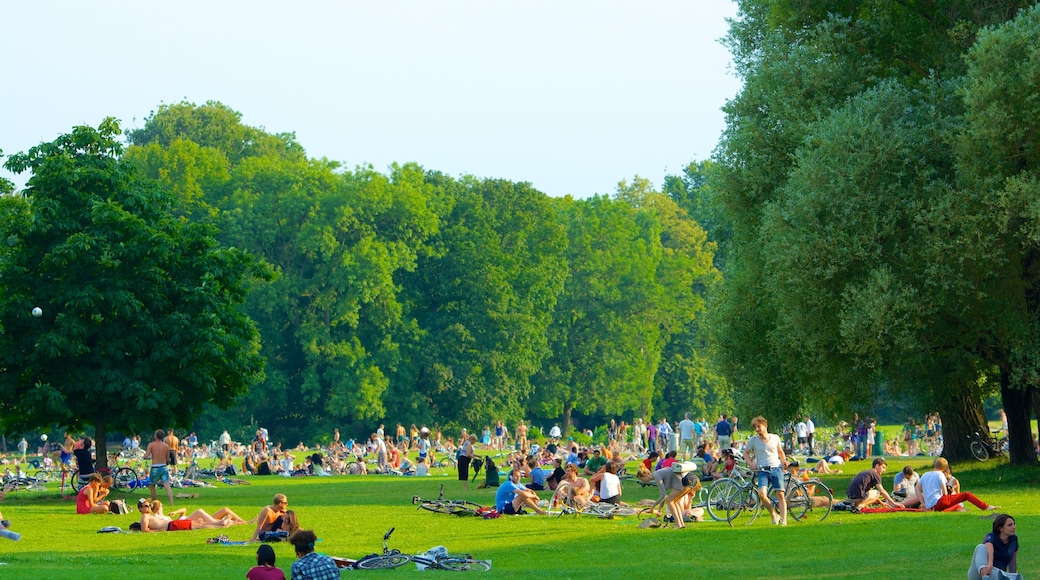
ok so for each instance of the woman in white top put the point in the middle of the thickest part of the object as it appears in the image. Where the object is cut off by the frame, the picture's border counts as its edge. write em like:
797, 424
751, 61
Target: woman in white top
607, 485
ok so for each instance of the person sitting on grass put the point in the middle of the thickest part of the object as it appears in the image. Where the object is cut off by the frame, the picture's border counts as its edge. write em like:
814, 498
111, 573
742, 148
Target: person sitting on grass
573, 490
271, 517
607, 486
513, 496
310, 565
88, 499
421, 469
537, 474
866, 488
265, 568
998, 550
931, 490
904, 483
595, 463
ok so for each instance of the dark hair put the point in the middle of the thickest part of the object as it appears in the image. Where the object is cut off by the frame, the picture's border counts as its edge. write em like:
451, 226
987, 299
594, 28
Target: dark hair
999, 521
87, 443
879, 461
265, 555
303, 541
908, 471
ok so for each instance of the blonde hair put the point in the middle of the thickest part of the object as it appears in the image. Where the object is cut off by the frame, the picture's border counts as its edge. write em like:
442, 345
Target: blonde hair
760, 419
941, 464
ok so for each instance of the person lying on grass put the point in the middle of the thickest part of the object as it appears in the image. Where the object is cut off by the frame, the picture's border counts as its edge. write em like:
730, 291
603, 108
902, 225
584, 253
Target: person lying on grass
154, 520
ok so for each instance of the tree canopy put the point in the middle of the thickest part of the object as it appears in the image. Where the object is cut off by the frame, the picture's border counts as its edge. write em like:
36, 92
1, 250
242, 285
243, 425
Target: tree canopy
141, 321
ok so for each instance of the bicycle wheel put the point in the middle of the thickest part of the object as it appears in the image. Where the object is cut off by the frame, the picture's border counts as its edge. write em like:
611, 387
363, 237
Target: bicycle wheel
74, 480
723, 494
438, 507
446, 462
462, 565
466, 508
979, 451
819, 500
353, 468
752, 505
799, 500
625, 510
383, 562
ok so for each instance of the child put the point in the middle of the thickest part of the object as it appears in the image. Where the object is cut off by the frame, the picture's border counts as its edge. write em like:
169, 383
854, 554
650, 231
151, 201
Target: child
421, 469
265, 569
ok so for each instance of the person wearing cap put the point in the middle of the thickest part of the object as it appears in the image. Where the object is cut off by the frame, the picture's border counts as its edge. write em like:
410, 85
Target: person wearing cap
595, 463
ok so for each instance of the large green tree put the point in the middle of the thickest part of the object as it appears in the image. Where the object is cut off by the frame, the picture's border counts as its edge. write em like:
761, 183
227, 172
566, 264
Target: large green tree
864, 256
141, 320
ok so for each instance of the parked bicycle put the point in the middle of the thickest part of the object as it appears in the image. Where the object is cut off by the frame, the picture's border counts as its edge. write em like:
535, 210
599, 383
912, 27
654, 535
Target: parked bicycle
730, 497
455, 507
125, 479
983, 447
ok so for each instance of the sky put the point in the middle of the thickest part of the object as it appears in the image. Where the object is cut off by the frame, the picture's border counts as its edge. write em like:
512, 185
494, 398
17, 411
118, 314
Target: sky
571, 96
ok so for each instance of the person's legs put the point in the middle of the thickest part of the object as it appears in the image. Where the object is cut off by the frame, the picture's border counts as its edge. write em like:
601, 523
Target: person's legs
978, 560
947, 502
226, 512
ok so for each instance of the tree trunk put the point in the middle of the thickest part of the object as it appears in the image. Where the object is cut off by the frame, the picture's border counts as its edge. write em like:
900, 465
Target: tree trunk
961, 414
100, 446
1018, 409
567, 408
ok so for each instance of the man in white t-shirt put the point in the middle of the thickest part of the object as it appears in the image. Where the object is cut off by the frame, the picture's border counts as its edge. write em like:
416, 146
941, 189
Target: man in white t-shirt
810, 428
802, 432
765, 454
687, 437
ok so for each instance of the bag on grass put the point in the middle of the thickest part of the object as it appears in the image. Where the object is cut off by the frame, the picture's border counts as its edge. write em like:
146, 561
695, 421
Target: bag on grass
118, 507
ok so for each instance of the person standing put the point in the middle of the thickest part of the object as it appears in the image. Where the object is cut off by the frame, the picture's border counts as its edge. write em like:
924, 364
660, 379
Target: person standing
225, 442
465, 457
810, 428
174, 444
687, 437
23, 447
651, 436
723, 432
555, 433
765, 454
521, 435
158, 452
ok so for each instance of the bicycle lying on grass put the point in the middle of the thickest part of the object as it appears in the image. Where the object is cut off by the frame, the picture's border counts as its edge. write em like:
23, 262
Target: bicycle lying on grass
434, 559
455, 507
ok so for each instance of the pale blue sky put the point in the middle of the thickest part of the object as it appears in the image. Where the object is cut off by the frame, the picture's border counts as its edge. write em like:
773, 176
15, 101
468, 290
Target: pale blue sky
572, 96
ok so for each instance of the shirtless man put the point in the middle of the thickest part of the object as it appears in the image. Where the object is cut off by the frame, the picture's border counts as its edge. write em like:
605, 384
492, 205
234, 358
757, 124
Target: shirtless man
521, 435
173, 443
154, 520
159, 453
575, 489
271, 516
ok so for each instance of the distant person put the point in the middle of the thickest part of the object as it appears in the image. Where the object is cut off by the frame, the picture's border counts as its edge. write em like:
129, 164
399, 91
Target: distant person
159, 453
265, 568
310, 565
723, 432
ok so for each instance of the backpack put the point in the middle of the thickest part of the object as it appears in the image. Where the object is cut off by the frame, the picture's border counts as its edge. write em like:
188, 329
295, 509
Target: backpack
118, 507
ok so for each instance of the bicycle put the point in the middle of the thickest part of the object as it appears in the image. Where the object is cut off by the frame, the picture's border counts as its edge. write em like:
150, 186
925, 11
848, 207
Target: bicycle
125, 479
439, 559
390, 558
454, 507
983, 447
730, 497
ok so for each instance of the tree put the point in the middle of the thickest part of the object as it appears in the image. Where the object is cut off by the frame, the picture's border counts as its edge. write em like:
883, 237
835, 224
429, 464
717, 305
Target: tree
854, 262
141, 320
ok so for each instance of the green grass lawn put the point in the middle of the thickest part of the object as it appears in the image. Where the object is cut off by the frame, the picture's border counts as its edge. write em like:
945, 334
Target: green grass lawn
350, 515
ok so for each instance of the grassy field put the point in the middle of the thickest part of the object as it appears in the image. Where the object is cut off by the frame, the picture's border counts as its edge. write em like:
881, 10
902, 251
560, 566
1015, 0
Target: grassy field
351, 513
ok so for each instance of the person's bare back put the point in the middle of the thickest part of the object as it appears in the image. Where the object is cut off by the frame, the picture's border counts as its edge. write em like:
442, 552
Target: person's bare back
158, 452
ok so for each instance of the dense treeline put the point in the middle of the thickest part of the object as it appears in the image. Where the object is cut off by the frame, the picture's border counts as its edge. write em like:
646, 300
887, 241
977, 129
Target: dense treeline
877, 184
414, 296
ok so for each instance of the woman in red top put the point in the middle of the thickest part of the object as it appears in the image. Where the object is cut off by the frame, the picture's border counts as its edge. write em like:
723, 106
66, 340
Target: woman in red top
87, 501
